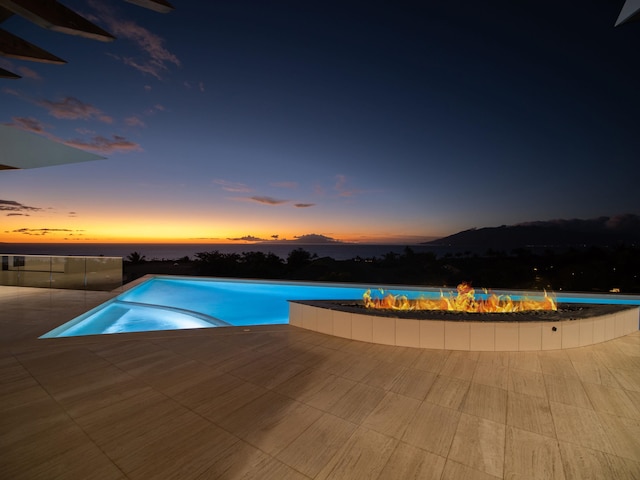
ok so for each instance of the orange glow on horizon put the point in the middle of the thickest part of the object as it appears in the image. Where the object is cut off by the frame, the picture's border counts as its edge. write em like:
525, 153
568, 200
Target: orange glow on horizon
153, 230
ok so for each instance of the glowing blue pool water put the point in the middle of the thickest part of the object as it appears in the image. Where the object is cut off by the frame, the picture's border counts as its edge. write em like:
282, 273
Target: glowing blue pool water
164, 303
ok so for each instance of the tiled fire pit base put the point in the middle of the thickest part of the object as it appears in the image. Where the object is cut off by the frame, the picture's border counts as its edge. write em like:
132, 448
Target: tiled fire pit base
586, 325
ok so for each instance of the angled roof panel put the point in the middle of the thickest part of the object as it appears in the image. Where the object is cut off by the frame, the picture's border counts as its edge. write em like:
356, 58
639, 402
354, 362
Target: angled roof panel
20, 149
7, 74
630, 12
15, 47
161, 6
55, 16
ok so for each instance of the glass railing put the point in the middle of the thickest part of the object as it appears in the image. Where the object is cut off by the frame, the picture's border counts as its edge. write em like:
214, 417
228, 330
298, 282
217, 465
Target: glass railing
76, 273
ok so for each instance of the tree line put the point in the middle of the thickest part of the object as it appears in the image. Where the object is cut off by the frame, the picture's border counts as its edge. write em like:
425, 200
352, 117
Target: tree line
595, 269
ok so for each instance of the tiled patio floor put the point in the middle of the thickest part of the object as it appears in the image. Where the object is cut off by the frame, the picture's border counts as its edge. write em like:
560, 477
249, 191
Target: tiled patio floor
284, 403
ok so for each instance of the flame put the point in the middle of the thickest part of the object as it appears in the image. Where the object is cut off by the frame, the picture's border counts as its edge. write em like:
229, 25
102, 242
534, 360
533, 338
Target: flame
464, 301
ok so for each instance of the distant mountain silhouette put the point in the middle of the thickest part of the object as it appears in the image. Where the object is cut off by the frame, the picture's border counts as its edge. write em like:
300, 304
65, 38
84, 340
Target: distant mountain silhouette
602, 231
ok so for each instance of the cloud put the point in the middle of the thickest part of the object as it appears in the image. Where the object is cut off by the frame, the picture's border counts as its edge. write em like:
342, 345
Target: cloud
18, 215
116, 143
29, 124
13, 206
134, 121
304, 205
247, 238
26, 72
340, 187
147, 88
70, 108
156, 58
315, 238
101, 144
267, 200
15, 93
232, 186
201, 86
42, 231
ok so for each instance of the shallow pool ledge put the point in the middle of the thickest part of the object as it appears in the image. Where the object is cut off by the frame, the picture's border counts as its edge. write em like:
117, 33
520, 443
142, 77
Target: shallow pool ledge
463, 335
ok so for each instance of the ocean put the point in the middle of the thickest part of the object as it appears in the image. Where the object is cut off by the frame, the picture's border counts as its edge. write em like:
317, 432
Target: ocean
153, 251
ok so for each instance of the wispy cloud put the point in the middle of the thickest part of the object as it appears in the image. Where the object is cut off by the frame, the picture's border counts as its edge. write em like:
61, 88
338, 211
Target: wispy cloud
29, 124
16, 207
102, 144
134, 121
232, 186
155, 57
44, 231
340, 186
70, 108
99, 143
304, 205
267, 200
247, 238
26, 72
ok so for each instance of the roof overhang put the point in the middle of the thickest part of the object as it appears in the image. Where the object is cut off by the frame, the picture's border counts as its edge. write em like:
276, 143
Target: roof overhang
22, 149
630, 12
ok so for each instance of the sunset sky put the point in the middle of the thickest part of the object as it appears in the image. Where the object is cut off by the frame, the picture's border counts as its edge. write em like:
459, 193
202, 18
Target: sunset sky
359, 121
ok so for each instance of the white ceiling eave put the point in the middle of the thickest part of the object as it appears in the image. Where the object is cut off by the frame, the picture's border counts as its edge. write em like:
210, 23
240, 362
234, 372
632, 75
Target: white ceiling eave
20, 149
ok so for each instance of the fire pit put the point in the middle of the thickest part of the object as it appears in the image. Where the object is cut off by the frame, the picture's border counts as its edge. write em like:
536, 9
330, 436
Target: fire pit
477, 328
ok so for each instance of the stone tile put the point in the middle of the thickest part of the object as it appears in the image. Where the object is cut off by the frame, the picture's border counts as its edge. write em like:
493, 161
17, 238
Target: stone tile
448, 392
486, 402
457, 471
431, 360
567, 390
329, 392
411, 462
363, 456
527, 383
304, 384
531, 456
413, 383
270, 422
227, 401
247, 462
525, 361
392, 415
623, 435
383, 375
470, 446
311, 451
581, 426
459, 366
583, 463
432, 428
593, 372
356, 404
614, 401
557, 363
491, 375
530, 413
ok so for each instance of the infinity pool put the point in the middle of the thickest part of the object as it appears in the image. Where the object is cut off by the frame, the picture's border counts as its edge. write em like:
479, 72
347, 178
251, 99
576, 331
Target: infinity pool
164, 303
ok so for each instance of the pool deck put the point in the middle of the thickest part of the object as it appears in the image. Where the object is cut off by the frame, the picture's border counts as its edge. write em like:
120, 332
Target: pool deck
279, 402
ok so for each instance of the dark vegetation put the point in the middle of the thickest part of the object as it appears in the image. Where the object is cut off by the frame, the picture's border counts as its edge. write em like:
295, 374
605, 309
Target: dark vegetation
589, 269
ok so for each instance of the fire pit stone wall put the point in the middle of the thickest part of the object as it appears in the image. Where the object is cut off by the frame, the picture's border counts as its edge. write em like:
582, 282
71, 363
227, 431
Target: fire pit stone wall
514, 334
